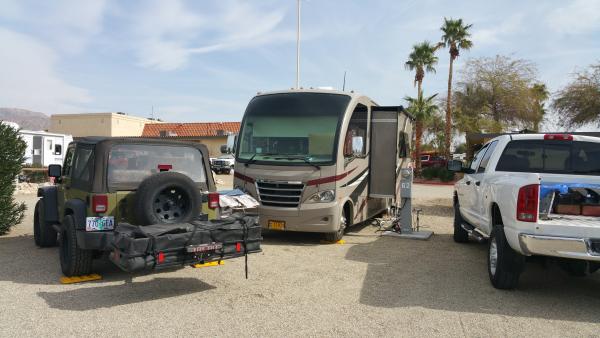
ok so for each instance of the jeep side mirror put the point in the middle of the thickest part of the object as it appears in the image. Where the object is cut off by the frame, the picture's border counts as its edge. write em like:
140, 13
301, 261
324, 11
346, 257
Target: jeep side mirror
224, 149
54, 170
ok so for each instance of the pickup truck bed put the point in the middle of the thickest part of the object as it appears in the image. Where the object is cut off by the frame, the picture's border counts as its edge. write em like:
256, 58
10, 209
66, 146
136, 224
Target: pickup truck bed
153, 247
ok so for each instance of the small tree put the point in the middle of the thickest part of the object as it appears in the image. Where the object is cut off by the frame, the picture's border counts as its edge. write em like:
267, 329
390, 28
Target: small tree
578, 103
422, 108
12, 155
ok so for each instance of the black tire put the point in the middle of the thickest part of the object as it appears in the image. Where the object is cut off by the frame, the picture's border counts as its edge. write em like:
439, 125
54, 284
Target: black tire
504, 265
344, 224
460, 235
73, 260
167, 197
43, 233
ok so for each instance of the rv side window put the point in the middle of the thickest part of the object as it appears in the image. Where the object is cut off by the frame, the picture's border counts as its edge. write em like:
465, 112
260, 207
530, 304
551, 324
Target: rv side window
355, 143
57, 149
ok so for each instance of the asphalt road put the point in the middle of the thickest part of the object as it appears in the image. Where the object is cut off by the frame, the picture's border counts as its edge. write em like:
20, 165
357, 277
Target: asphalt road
370, 286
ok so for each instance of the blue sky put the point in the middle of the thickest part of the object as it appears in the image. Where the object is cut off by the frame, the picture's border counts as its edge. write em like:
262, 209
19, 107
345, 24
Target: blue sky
204, 60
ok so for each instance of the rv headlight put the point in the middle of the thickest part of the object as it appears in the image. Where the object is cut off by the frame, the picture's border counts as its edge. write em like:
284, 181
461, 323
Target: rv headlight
322, 197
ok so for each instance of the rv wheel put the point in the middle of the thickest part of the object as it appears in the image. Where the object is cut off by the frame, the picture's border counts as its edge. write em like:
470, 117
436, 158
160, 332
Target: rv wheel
344, 222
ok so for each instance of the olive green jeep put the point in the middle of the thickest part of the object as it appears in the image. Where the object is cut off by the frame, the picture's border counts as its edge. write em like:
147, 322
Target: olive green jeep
106, 182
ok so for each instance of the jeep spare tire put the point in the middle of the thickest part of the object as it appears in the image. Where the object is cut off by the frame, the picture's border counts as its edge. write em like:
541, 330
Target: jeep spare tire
167, 197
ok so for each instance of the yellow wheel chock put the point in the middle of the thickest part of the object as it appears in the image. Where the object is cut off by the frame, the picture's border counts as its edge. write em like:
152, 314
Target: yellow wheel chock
80, 279
341, 241
215, 263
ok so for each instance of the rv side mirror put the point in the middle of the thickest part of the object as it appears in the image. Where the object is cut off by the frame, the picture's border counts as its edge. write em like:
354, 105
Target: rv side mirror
224, 149
54, 170
357, 145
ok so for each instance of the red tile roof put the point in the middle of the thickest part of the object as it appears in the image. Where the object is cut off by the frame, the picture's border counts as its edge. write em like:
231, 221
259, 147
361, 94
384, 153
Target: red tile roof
190, 129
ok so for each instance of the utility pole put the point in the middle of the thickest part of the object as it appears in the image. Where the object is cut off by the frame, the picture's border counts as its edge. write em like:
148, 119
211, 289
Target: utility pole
298, 46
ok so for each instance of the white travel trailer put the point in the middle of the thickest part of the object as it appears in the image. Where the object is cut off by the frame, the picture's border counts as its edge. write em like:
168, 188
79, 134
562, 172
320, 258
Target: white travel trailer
321, 160
44, 148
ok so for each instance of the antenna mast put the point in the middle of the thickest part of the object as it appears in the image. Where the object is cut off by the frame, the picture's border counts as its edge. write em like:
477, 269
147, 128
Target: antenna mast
298, 46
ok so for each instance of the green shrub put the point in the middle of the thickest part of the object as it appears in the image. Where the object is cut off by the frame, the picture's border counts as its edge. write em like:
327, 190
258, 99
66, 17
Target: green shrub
12, 155
440, 173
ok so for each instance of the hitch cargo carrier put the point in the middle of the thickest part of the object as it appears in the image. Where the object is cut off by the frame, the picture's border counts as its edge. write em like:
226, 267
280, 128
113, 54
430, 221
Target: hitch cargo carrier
153, 247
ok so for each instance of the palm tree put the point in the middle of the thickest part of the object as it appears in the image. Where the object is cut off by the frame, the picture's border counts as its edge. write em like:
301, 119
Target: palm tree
540, 95
456, 37
422, 109
421, 60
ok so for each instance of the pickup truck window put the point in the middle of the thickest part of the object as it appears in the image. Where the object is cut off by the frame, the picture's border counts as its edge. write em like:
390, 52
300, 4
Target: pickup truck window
486, 157
477, 157
554, 157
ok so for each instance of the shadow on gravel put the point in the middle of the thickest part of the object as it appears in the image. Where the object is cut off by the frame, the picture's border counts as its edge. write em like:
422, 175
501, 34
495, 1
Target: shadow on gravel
91, 298
442, 275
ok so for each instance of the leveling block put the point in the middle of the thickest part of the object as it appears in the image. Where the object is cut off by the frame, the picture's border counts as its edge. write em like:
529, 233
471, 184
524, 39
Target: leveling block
80, 279
215, 263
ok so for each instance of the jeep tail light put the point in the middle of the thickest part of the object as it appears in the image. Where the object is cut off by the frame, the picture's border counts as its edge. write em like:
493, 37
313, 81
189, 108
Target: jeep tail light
213, 200
527, 203
99, 203
558, 137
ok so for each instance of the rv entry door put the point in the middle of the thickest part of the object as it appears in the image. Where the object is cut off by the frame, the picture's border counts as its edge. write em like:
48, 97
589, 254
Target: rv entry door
384, 151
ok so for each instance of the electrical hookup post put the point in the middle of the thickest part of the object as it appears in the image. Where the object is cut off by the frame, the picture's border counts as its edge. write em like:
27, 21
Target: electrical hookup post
402, 218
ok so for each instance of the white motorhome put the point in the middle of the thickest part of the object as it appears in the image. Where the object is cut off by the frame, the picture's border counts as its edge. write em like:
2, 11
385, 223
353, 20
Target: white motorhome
321, 160
44, 148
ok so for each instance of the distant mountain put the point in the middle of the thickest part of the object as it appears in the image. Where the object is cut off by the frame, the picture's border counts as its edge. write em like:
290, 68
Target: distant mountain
27, 119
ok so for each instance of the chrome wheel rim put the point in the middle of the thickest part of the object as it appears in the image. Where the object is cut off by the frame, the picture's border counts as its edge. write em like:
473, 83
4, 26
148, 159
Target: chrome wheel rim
493, 256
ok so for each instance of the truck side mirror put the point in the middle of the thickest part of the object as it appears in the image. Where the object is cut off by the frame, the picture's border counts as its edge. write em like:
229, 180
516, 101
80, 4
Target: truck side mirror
457, 167
54, 170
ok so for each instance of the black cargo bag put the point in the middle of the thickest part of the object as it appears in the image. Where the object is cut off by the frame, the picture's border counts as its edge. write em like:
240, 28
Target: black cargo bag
165, 245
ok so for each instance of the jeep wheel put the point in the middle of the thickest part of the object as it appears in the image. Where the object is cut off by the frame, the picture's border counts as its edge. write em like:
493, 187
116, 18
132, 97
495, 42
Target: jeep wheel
504, 264
167, 197
460, 235
344, 223
43, 233
73, 260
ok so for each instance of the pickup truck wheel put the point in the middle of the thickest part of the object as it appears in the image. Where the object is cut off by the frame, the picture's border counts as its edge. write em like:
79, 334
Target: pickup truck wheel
504, 264
460, 235
43, 233
73, 260
167, 197
338, 235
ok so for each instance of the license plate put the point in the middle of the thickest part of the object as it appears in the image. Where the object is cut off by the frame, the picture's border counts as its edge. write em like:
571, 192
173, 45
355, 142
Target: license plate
204, 247
277, 225
99, 223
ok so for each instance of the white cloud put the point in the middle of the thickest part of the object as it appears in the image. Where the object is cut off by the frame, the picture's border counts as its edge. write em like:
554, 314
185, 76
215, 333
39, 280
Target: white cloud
577, 17
67, 24
169, 33
29, 79
497, 33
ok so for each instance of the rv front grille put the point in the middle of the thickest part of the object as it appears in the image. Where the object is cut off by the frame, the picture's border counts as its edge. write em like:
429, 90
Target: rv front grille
280, 194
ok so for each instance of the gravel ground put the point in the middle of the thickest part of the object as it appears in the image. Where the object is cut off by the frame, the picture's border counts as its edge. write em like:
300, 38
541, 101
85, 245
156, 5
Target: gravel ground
370, 286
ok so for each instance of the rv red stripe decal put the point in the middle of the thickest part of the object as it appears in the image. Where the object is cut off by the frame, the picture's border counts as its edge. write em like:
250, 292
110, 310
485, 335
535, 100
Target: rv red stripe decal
243, 177
329, 179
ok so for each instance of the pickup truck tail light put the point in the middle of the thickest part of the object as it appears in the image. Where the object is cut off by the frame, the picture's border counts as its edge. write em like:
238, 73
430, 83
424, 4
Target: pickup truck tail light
558, 137
99, 203
527, 203
213, 200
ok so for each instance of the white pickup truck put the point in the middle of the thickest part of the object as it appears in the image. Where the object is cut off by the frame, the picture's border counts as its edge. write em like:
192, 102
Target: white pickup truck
532, 195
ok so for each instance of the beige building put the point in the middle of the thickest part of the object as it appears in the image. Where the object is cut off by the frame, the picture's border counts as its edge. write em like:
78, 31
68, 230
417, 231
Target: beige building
98, 124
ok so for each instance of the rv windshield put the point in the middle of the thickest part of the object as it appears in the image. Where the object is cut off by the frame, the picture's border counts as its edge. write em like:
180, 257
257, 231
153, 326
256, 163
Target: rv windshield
292, 128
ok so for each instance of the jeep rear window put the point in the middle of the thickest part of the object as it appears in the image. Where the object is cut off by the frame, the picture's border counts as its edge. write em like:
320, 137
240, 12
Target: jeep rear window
129, 164
552, 157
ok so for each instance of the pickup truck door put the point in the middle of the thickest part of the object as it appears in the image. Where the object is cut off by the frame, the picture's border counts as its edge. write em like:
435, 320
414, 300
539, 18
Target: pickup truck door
467, 192
481, 191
